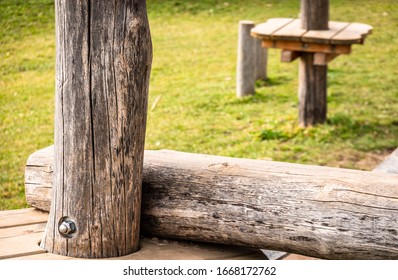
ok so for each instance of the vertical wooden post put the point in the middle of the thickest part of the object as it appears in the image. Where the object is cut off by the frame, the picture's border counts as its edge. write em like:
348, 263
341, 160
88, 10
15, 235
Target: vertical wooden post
313, 78
103, 62
261, 61
315, 14
245, 71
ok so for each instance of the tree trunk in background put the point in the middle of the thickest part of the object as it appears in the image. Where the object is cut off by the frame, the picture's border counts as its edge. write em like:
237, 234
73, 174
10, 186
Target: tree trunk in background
313, 78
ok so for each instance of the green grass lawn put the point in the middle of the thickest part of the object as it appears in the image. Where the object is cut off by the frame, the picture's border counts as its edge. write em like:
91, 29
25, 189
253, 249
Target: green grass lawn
193, 80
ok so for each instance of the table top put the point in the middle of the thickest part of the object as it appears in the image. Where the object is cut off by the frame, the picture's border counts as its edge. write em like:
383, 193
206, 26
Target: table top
288, 29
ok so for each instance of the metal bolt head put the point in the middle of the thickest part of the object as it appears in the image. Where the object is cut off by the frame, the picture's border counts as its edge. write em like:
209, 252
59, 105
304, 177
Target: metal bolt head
67, 227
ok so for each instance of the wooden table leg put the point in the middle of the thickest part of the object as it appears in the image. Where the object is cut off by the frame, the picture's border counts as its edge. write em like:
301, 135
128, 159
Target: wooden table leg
312, 91
313, 78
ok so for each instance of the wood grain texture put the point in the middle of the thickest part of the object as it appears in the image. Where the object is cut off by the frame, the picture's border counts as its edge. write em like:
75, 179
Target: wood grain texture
289, 56
324, 36
246, 62
313, 78
267, 29
312, 91
322, 59
12, 218
314, 14
103, 64
307, 47
21, 243
337, 34
290, 32
260, 61
22, 230
310, 210
39, 171
353, 33
22, 234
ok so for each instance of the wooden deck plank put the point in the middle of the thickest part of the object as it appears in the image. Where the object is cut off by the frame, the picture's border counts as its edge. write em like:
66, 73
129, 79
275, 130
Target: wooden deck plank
290, 32
154, 249
41, 257
13, 218
20, 242
169, 250
265, 30
24, 228
148, 251
21, 230
22, 245
324, 36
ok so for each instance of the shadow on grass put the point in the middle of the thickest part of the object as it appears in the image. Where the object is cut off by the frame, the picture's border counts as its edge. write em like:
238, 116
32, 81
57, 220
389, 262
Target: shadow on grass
260, 96
257, 97
273, 81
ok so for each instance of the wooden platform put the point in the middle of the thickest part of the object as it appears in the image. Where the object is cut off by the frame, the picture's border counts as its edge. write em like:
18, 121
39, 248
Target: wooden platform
21, 231
286, 33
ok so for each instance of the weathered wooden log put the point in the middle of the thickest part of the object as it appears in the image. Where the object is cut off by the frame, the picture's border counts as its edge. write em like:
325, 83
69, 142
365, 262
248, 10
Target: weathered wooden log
311, 210
312, 77
246, 67
103, 63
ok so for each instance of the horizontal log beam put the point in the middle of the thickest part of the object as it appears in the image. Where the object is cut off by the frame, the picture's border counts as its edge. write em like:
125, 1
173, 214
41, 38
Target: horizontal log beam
316, 211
